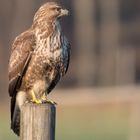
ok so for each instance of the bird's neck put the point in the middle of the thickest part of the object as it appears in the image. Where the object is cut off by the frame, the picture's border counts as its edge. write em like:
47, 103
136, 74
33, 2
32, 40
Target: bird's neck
46, 27
48, 31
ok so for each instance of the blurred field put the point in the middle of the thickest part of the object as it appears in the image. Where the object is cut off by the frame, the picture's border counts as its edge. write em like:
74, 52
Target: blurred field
83, 123
108, 118
92, 123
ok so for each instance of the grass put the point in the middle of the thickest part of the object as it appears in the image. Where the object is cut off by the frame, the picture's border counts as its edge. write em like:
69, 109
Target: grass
82, 123
92, 123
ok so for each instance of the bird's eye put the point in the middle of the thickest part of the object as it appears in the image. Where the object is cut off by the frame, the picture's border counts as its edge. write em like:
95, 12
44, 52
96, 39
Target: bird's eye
58, 9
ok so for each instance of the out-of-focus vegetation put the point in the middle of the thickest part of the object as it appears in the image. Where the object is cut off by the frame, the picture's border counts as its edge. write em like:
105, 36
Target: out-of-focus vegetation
99, 114
83, 123
104, 35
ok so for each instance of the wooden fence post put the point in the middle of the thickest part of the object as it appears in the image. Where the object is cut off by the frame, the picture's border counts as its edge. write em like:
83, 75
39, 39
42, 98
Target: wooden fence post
37, 122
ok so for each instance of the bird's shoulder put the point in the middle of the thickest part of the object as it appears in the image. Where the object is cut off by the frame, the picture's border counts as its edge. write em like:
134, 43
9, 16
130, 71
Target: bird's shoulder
24, 41
21, 48
19, 59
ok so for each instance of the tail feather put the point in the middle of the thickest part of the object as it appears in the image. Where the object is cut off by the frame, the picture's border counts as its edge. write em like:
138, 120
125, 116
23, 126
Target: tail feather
16, 103
15, 117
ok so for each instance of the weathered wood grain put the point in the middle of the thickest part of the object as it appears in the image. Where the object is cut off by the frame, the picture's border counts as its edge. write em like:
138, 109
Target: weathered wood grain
38, 122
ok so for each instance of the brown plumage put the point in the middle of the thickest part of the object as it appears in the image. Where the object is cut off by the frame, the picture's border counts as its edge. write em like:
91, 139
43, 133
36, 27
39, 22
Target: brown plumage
39, 58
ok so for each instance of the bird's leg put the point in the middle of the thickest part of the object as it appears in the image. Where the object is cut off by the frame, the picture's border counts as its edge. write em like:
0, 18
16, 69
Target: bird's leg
34, 99
46, 100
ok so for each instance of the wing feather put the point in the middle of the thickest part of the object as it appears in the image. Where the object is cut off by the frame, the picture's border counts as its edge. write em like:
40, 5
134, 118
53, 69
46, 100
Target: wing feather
67, 51
20, 57
68, 57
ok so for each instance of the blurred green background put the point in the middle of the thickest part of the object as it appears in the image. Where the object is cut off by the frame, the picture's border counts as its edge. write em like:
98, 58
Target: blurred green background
91, 116
99, 98
85, 122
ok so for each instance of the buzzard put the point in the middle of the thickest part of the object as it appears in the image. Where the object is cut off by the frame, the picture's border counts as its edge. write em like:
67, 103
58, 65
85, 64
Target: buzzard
39, 58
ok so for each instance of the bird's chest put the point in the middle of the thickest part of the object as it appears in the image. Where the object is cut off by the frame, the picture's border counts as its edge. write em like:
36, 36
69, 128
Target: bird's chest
49, 51
46, 61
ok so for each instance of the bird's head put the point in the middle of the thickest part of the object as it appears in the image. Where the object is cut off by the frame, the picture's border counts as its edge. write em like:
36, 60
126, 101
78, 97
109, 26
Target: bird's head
50, 11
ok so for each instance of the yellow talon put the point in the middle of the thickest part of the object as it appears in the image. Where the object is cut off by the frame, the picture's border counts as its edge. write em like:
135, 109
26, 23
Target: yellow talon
34, 99
52, 102
33, 95
45, 99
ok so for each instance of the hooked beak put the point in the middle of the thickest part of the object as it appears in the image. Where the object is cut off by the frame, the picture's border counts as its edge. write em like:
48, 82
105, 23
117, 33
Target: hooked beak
64, 12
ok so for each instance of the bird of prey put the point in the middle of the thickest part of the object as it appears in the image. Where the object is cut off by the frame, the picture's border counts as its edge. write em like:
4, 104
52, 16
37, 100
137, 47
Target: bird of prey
39, 58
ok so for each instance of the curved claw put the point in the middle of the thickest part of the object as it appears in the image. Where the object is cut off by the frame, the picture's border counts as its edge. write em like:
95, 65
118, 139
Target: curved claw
46, 100
34, 99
